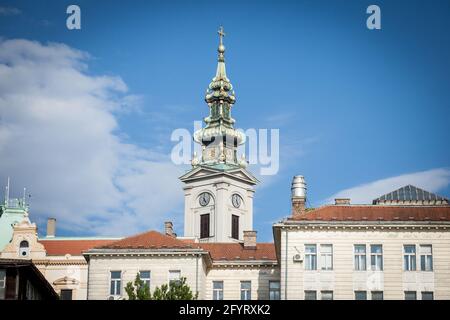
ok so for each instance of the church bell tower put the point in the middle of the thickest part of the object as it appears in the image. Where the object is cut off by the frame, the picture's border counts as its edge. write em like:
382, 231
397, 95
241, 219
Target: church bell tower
218, 190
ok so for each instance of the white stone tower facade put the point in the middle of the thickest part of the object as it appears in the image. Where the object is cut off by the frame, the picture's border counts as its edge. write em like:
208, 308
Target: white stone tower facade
218, 189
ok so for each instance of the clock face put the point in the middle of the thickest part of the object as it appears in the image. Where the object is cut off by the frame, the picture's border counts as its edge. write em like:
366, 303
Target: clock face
204, 199
236, 200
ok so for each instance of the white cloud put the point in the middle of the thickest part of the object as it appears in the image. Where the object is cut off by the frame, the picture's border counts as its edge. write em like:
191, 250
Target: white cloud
9, 11
59, 137
431, 180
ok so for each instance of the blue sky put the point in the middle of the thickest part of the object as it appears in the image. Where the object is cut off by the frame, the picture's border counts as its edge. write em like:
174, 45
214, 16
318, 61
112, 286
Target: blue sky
354, 106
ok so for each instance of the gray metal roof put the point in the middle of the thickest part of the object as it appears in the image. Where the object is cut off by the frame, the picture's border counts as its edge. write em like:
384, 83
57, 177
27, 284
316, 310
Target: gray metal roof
409, 193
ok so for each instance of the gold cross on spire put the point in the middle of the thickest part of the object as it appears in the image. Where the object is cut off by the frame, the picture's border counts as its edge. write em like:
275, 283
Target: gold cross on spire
221, 34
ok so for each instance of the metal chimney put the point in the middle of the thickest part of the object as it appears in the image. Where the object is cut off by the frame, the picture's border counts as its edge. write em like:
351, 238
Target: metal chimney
298, 195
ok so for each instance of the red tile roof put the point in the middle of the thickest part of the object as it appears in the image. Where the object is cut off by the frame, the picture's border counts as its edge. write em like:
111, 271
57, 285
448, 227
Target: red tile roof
72, 246
377, 213
217, 251
148, 240
236, 251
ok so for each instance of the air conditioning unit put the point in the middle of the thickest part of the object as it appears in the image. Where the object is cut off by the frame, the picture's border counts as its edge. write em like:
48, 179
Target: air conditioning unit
298, 257
114, 298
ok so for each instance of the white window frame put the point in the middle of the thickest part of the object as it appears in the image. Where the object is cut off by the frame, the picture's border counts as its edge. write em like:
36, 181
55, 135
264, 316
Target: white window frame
375, 292
276, 291
411, 293
3, 284
424, 255
427, 292
246, 292
314, 292
3, 281
361, 291
172, 279
324, 292
111, 279
378, 258
409, 258
218, 293
360, 257
146, 280
67, 289
310, 257
324, 255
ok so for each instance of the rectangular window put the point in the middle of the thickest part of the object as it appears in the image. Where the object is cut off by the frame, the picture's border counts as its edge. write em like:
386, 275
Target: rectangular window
2, 283
326, 256
235, 227
360, 295
377, 295
217, 290
360, 257
376, 257
204, 225
409, 257
310, 295
310, 257
246, 290
145, 276
274, 290
326, 295
116, 283
66, 294
427, 295
410, 295
174, 276
426, 258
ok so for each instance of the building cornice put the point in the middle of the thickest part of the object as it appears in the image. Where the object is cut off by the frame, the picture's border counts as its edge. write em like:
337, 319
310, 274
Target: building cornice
317, 225
48, 262
144, 252
244, 264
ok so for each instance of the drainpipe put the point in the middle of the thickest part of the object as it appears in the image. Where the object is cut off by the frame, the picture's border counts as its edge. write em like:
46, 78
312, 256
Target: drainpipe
196, 274
88, 273
286, 268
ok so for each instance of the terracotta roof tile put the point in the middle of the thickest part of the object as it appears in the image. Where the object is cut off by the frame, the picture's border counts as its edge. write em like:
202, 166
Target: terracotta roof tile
73, 247
218, 251
148, 240
377, 213
236, 251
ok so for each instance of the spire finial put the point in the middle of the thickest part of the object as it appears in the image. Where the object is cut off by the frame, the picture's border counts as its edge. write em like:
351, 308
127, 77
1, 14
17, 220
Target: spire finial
221, 48
221, 34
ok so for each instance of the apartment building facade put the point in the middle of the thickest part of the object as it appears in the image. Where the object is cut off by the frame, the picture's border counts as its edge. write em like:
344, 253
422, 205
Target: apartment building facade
396, 251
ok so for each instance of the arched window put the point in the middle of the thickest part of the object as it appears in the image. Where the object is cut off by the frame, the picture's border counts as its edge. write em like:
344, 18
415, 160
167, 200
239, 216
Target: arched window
24, 248
24, 244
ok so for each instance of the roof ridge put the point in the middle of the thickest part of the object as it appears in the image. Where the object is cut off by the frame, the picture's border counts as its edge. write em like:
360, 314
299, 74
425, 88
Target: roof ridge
161, 240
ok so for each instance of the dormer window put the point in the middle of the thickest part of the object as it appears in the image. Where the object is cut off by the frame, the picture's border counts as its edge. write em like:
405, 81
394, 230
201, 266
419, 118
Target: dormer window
24, 249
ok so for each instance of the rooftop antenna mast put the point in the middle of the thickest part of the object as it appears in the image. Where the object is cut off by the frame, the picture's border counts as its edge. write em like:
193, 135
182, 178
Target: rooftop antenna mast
7, 194
24, 199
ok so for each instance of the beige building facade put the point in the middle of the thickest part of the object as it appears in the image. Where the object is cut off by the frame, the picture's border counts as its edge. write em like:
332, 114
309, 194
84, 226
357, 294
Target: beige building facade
212, 271
58, 259
378, 251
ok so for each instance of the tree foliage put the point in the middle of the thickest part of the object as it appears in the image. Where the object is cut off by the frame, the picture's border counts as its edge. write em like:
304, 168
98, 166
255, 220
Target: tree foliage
175, 290
138, 291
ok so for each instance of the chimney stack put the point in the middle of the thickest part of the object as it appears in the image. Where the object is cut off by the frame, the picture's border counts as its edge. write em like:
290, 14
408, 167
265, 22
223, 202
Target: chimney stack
342, 201
51, 227
249, 239
168, 229
298, 195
